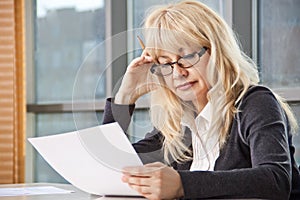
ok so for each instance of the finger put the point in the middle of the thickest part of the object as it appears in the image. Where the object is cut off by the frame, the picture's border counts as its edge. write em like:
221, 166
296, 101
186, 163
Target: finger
129, 178
132, 169
148, 59
155, 164
153, 168
144, 187
143, 190
125, 178
137, 180
136, 62
145, 53
139, 61
151, 196
136, 170
141, 171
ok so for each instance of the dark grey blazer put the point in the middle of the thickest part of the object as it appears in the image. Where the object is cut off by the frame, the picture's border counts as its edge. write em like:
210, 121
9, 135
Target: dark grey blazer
257, 160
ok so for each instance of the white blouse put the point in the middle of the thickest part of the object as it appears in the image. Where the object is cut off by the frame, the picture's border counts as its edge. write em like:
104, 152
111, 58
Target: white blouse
205, 145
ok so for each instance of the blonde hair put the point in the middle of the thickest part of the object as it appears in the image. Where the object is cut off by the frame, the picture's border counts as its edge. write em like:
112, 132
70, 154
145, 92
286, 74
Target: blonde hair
229, 72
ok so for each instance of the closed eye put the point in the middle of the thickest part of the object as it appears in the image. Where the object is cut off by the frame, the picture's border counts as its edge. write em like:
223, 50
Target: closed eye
189, 56
165, 65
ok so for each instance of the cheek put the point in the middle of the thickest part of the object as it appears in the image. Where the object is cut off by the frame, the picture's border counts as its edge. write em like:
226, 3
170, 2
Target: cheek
169, 83
200, 74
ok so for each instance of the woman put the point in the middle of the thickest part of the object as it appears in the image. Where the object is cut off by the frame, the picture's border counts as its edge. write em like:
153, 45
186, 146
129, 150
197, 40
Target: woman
218, 134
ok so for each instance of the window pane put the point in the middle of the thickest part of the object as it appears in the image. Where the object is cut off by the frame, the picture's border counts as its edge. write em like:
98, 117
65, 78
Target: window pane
49, 124
279, 32
278, 48
69, 53
140, 8
140, 125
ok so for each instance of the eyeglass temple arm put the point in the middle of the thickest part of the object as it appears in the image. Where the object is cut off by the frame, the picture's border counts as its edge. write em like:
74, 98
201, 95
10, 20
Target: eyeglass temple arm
203, 50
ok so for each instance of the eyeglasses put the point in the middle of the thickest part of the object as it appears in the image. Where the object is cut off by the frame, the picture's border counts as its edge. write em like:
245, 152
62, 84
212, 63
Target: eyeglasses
186, 61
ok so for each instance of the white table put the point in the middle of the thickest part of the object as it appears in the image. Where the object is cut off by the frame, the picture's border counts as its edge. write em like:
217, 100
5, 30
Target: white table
77, 194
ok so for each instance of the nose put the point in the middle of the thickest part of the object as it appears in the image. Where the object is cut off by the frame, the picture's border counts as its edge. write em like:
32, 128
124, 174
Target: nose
179, 71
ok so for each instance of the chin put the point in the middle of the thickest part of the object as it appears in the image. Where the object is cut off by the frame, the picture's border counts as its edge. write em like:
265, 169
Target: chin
187, 97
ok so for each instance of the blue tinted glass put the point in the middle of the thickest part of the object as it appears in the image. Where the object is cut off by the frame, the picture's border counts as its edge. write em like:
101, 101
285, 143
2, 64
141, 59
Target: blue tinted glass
68, 49
279, 31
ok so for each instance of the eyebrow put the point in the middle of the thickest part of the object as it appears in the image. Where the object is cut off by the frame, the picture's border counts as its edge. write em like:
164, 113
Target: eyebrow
166, 57
180, 50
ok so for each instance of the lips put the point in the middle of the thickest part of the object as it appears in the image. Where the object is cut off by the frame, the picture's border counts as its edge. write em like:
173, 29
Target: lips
185, 86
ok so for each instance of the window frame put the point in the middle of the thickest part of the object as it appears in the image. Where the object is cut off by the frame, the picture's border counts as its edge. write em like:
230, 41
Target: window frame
114, 25
241, 14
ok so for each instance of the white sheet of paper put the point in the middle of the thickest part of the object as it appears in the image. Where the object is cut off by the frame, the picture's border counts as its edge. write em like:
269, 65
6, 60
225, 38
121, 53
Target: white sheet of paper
24, 191
91, 159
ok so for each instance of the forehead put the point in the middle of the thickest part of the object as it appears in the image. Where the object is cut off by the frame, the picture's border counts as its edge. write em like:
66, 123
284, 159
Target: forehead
169, 54
166, 52
167, 41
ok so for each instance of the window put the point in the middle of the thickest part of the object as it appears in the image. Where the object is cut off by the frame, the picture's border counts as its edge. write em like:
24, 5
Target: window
280, 42
70, 79
278, 47
69, 71
64, 50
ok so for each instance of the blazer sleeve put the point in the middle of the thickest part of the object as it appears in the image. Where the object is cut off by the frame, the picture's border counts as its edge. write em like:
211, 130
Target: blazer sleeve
117, 113
264, 131
149, 149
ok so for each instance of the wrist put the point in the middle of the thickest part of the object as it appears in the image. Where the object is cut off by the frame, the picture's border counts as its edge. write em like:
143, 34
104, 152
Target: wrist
125, 99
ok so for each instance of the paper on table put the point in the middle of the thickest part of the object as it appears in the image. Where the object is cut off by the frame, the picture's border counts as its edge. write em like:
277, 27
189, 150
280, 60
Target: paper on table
91, 159
22, 191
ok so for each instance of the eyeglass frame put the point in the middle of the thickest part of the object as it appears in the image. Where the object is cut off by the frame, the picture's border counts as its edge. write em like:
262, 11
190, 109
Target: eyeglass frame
200, 54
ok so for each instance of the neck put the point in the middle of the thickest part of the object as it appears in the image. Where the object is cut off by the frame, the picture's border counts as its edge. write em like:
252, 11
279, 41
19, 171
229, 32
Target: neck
200, 103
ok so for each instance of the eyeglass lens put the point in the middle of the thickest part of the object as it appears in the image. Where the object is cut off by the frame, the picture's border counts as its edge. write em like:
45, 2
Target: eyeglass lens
184, 62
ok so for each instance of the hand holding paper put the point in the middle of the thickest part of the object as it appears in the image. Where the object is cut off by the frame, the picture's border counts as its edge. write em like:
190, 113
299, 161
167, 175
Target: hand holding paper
91, 159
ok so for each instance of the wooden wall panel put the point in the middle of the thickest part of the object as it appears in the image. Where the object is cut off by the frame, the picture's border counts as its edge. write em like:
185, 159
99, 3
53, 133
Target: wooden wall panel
12, 92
